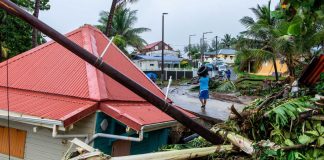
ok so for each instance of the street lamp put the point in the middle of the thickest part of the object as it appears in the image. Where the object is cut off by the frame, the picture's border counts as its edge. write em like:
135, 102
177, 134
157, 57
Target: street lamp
202, 47
189, 47
216, 46
162, 64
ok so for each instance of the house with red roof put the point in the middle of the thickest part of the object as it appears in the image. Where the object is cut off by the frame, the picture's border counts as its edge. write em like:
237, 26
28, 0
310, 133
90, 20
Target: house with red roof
150, 57
156, 46
52, 96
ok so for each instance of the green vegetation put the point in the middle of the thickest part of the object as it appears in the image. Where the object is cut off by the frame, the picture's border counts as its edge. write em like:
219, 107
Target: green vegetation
320, 85
288, 33
15, 34
123, 28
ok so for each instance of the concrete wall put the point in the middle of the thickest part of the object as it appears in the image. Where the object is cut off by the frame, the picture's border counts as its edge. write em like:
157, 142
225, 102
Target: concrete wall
181, 74
41, 145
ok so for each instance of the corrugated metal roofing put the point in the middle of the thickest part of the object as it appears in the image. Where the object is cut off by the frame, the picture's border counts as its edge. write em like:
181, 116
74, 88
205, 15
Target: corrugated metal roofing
313, 71
152, 45
50, 68
51, 82
136, 115
227, 51
67, 110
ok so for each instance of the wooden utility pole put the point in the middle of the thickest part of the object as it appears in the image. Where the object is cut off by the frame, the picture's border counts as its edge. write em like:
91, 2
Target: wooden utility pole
110, 71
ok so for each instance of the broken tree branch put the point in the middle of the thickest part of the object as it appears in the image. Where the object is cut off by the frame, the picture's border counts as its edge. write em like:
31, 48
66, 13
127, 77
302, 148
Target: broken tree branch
236, 113
179, 154
268, 100
239, 141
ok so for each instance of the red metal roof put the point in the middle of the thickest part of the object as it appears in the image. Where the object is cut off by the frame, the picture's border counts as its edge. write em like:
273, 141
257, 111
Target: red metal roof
51, 82
54, 107
50, 68
152, 45
136, 115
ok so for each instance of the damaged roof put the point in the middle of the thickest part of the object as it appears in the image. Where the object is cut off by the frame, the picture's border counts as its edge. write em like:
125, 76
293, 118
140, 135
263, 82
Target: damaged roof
313, 71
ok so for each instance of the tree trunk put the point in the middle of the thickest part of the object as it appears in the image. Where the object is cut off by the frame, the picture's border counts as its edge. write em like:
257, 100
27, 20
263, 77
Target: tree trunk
110, 18
35, 32
275, 68
290, 65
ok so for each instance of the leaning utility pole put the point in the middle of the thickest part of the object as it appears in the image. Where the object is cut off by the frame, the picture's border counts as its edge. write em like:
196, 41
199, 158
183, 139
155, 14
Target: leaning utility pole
110, 71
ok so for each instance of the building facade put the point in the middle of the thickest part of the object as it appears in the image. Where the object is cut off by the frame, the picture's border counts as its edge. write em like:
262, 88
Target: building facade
150, 58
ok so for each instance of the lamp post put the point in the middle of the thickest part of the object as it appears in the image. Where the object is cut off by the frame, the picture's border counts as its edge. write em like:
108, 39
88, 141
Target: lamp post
202, 47
189, 47
162, 64
216, 46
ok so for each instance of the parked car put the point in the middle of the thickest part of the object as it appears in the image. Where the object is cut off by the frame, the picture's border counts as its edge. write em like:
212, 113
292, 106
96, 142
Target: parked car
222, 68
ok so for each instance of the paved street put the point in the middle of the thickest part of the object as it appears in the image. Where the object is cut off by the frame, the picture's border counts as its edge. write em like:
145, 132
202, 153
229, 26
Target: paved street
189, 101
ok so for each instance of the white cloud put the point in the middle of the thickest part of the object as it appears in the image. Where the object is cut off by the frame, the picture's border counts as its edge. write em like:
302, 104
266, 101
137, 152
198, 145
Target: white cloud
185, 17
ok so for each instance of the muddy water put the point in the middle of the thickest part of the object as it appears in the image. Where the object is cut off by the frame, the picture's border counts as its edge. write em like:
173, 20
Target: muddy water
217, 109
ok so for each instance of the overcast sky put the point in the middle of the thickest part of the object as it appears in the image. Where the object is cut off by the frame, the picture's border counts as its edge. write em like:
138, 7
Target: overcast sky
185, 17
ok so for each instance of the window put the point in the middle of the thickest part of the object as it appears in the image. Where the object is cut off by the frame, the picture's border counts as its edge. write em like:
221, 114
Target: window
156, 47
225, 56
17, 142
231, 57
166, 47
151, 64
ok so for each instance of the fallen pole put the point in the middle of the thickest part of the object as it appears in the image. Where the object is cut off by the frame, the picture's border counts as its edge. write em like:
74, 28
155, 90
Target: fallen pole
179, 154
98, 63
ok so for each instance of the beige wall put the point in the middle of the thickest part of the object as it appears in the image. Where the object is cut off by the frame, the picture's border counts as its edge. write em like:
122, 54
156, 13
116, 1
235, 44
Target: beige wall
227, 58
41, 145
267, 68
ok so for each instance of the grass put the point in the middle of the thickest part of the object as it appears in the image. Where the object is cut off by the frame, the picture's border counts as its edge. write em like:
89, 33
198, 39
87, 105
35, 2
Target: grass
258, 77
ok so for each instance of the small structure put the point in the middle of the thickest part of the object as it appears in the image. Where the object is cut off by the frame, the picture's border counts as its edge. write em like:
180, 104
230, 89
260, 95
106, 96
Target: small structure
226, 55
55, 96
153, 63
150, 58
267, 68
154, 49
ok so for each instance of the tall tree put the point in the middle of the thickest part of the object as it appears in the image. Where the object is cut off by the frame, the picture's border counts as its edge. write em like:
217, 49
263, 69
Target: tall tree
38, 5
123, 28
114, 4
261, 30
15, 35
227, 41
35, 32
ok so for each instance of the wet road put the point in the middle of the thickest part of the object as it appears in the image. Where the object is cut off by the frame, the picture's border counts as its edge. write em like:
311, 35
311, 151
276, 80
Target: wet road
189, 101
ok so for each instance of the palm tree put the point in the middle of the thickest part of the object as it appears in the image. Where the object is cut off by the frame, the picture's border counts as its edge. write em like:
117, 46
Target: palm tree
122, 28
114, 4
261, 30
226, 41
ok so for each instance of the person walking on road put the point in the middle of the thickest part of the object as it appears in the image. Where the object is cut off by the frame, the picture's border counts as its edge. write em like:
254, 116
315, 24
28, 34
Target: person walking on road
203, 85
228, 74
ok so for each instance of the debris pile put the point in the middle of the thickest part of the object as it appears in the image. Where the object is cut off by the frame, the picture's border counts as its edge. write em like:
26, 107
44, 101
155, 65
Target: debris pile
287, 124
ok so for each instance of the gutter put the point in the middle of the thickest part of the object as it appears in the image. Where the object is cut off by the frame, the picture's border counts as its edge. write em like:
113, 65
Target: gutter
56, 135
32, 120
112, 136
146, 128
